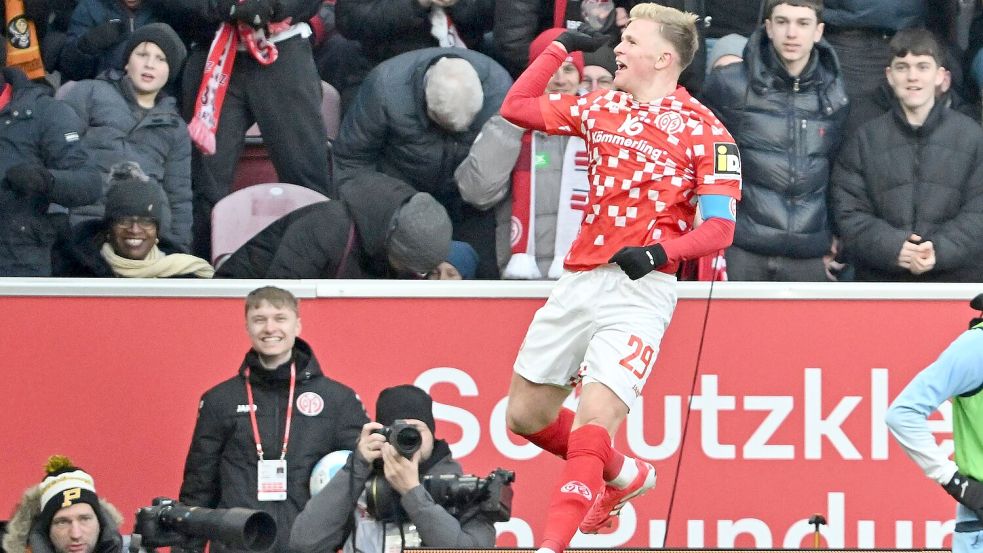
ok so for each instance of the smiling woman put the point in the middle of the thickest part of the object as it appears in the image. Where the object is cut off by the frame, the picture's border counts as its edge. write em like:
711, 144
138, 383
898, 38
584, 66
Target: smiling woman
125, 242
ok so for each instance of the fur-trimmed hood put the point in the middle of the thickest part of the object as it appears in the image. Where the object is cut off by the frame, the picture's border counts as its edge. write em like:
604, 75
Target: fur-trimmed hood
21, 525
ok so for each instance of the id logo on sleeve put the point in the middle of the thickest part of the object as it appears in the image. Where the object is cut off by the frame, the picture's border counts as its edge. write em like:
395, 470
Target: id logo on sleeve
726, 160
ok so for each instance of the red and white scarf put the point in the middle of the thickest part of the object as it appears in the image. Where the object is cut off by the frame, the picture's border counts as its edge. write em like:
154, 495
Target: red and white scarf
573, 197
218, 72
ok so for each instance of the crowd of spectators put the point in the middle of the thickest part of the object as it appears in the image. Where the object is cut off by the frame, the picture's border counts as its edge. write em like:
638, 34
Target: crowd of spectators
172, 86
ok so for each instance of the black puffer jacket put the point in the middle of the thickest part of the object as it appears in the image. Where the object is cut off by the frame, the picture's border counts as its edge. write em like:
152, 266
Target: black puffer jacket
37, 129
875, 14
892, 180
882, 99
220, 471
787, 130
386, 28
333, 239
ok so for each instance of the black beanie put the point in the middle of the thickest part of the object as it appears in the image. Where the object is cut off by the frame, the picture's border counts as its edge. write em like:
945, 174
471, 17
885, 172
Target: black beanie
131, 194
64, 485
404, 402
602, 57
166, 39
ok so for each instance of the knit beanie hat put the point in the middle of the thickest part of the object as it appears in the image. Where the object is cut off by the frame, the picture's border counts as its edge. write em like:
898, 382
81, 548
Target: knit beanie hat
544, 39
64, 485
602, 57
131, 194
166, 39
404, 402
453, 93
729, 45
421, 234
463, 258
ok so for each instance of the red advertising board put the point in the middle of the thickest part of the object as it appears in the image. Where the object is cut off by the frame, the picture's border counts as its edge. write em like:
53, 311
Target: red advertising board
786, 419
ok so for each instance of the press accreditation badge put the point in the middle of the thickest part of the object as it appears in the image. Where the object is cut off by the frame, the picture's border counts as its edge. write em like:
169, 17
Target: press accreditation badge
272, 485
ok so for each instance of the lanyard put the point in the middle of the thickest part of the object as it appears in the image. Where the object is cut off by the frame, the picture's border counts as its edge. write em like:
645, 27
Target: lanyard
290, 412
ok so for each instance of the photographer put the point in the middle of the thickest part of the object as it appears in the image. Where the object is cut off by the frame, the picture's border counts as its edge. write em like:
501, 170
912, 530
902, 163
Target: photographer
340, 514
63, 514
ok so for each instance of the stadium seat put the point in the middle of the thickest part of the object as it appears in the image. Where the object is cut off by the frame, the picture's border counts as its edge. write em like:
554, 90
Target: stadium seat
255, 165
242, 214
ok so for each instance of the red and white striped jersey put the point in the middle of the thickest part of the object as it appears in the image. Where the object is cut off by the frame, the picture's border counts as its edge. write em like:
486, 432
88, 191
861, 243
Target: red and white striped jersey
646, 164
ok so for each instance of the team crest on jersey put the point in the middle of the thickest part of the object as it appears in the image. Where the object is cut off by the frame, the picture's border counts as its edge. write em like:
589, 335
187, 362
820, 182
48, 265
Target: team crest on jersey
669, 122
574, 486
726, 160
310, 404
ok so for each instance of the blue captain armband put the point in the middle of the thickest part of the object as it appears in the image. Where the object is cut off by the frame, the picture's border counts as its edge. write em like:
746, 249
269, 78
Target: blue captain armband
716, 205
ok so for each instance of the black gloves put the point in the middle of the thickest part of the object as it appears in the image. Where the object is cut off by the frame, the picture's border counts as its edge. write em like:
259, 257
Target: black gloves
637, 261
252, 12
967, 491
575, 41
101, 38
27, 178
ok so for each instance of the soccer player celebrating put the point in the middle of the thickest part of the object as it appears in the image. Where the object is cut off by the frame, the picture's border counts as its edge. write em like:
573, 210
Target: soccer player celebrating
659, 162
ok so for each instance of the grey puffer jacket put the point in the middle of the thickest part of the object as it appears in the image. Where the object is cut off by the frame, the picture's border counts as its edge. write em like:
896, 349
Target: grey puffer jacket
116, 128
892, 180
787, 129
485, 181
37, 129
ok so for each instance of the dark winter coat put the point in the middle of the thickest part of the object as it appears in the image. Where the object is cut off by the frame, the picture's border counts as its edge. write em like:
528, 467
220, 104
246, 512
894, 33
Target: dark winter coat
35, 128
886, 15
519, 22
892, 180
386, 28
116, 128
787, 129
882, 99
387, 130
220, 471
197, 20
335, 239
75, 64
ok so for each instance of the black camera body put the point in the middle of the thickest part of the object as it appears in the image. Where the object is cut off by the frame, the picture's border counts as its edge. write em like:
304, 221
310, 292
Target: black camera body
458, 494
492, 495
403, 436
168, 522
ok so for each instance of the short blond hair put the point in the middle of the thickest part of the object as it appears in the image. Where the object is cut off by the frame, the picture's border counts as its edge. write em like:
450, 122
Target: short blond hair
277, 297
677, 27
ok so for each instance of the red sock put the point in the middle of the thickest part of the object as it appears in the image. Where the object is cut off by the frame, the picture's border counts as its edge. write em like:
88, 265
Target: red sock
613, 466
553, 438
587, 452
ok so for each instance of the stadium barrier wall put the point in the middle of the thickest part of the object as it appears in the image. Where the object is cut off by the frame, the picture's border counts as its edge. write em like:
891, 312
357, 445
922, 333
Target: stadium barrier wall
787, 415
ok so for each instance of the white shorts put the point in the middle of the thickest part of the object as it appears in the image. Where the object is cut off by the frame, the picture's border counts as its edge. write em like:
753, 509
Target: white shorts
600, 326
